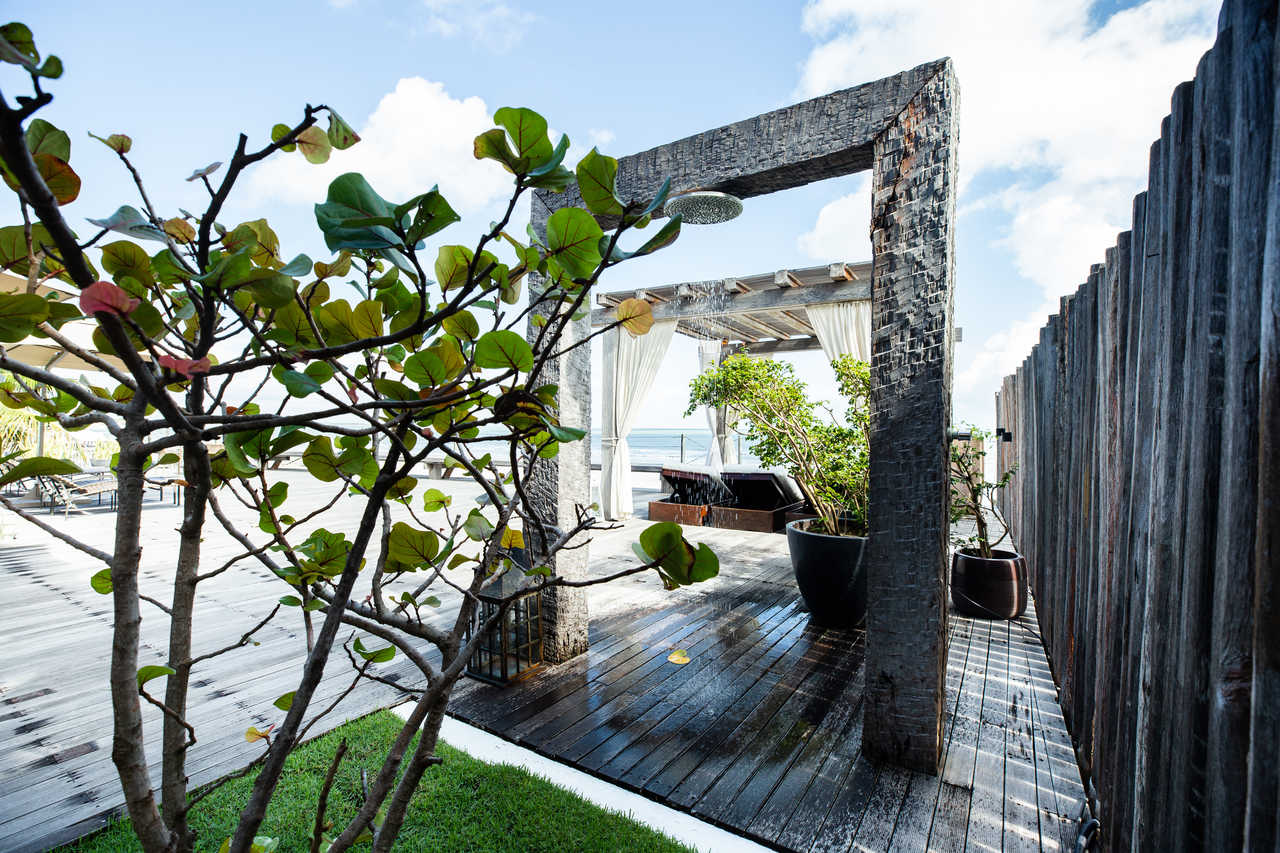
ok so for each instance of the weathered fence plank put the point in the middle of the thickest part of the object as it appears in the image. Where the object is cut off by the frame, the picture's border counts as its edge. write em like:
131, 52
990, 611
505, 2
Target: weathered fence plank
1145, 428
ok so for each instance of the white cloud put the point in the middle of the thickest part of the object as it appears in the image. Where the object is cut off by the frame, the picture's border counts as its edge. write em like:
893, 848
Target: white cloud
490, 23
843, 229
600, 137
1058, 109
418, 135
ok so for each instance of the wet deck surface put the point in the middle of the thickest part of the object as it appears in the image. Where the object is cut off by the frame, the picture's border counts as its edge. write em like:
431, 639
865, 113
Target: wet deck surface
760, 732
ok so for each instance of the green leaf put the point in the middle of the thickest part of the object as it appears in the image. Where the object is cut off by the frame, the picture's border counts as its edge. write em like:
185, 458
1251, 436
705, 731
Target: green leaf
291, 601
20, 46
341, 135
492, 145
504, 349
553, 165
431, 214
52, 68
528, 133
44, 138
477, 527
434, 500
101, 582
314, 145
299, 266
664, 542
280, 131
38, 466
351, 198
367, 319
665, 237
412, 547
123, 258
117, 142
285, 702
20, 313
299, 384
147, 673
426, 369
573, 238
451, 266
597, 174
319, 460
462, 325
706, 564
374, 655
271, 289
320, 371
562, 433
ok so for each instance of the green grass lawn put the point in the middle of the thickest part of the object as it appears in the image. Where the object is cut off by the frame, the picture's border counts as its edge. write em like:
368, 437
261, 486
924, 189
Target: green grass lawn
461, 805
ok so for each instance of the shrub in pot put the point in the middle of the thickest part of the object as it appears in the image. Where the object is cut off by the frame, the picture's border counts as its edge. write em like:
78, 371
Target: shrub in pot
828, 457
986, 581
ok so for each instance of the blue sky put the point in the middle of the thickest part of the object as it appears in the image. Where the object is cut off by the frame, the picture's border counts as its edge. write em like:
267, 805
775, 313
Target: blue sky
1059, 102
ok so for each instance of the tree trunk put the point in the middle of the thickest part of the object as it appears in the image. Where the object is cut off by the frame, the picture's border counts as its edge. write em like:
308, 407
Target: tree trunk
422, 758
174, 775
313, 670
127, 742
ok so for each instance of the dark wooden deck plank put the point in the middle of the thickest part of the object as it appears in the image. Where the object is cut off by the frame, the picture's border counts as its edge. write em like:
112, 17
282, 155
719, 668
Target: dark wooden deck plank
742, 789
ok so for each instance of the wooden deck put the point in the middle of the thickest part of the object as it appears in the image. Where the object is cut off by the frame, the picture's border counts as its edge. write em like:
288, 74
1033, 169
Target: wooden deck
759, 733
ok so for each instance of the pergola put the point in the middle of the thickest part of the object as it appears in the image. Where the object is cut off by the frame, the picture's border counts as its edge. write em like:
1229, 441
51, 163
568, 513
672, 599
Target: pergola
904, 130
785, 311
758, 314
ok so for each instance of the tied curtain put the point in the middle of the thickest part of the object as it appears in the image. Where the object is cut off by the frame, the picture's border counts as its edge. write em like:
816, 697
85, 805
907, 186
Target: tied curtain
843, 328
630, 366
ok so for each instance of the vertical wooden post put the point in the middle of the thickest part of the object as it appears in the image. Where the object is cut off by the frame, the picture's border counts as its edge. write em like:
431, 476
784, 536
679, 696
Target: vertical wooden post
558, 486
913, 242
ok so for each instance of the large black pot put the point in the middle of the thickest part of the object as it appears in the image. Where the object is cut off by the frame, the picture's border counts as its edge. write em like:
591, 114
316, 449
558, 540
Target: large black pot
830, 574
989, 588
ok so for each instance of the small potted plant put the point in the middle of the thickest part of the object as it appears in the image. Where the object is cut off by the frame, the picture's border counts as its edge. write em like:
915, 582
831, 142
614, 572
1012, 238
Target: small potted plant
828, 459
986, 581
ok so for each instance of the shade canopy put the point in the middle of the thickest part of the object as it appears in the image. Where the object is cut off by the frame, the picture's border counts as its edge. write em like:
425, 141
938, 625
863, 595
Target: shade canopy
790, 310
763, 312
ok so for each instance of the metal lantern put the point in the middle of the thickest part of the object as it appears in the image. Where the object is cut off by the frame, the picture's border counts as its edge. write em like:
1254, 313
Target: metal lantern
512, 648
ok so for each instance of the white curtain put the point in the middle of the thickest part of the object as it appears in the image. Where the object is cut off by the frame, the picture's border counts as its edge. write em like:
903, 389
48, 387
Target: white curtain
843, 328
630, 365
708, 360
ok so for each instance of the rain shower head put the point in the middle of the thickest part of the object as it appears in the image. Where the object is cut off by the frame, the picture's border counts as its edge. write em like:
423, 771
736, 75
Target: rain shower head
704, 207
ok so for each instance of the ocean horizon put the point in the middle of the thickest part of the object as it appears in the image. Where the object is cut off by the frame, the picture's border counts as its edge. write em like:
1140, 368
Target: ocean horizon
658, 445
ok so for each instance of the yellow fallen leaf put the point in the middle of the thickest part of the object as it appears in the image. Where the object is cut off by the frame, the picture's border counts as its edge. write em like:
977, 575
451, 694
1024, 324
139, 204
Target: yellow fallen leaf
679, 657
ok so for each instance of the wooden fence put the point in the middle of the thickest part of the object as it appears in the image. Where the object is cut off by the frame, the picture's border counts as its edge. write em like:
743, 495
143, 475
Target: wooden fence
1146, 434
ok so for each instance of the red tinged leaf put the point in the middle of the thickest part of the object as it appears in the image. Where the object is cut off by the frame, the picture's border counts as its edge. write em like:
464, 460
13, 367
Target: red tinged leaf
188, 367
103, 297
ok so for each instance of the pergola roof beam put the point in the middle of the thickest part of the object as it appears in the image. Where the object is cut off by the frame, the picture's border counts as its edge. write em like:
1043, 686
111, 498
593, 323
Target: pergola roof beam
754, 302
765, 347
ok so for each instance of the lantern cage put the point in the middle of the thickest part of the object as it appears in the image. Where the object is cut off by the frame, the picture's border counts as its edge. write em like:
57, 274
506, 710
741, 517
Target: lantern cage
512, 649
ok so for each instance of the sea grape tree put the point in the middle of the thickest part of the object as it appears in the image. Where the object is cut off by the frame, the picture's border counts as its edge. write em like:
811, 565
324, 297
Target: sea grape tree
397, 345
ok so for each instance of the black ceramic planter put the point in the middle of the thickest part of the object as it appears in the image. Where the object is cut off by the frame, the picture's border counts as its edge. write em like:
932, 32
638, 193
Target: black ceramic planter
829, 572
989, 588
